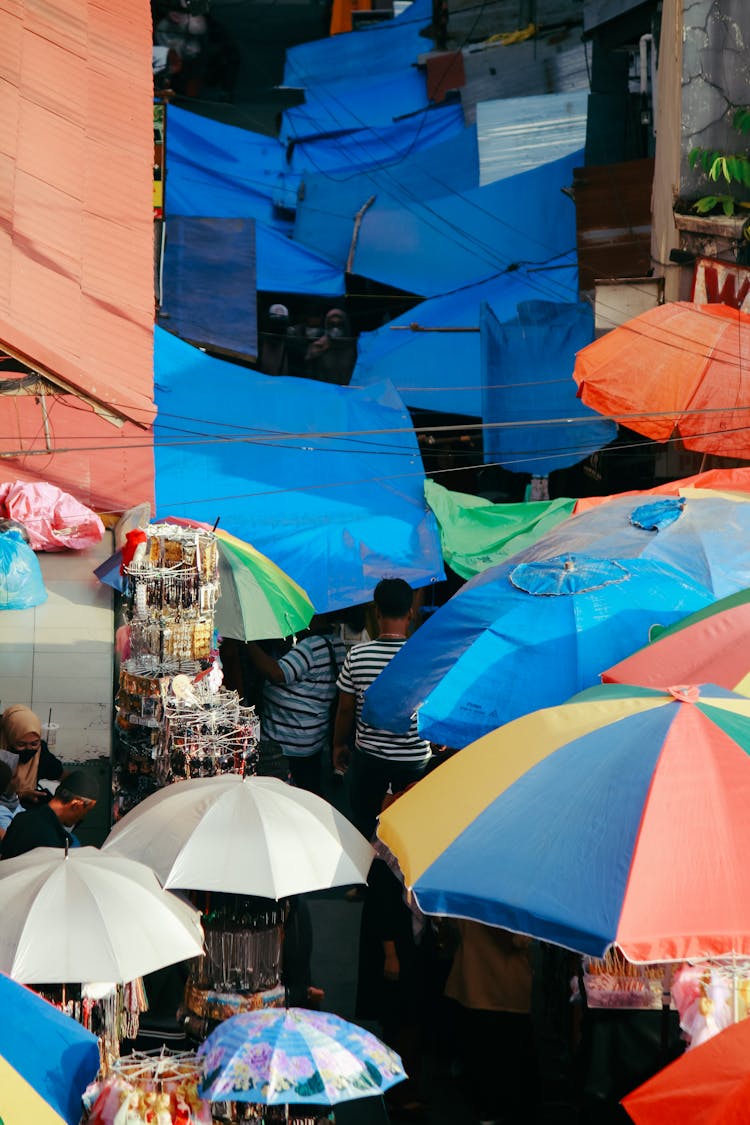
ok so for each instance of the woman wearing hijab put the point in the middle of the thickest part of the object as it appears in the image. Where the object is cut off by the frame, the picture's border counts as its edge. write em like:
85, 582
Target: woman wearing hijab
22, 747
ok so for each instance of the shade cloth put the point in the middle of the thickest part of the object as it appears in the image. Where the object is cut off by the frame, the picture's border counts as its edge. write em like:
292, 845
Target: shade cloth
430, 248
361, 52
476, 534
220, 170
335, 512
209, 283
441, 370
329, 201
527, 368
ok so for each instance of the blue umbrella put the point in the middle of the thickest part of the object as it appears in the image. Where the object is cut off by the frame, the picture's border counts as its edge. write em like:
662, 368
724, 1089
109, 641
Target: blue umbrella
705, 537
46, 1060
522, 636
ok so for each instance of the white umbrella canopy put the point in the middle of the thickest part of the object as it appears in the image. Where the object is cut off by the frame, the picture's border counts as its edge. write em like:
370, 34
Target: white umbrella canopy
247, 836
85, 916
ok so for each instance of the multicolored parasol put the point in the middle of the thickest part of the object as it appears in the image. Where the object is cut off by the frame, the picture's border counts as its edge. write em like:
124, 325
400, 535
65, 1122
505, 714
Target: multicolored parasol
292, 1055
618, 817
257, 601
711, 644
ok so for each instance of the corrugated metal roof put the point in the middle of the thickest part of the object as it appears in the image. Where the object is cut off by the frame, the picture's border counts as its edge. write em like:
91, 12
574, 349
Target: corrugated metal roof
519, 133
533, 67
76, 224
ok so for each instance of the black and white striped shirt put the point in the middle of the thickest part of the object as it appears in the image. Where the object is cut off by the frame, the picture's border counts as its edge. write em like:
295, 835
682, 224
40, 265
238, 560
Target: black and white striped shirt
362, 665
297, 713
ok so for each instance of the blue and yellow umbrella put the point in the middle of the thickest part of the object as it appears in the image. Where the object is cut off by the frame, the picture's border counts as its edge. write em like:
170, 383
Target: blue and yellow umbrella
620, 818
46, 1060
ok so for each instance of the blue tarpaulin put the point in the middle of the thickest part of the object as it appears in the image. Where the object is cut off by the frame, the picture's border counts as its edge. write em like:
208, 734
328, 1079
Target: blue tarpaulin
527, 369
430, 248
442, 370
286, 267
208, 291
281, 266
355, 103
395, 43
327, 481
329, 202
221, 171
346, 152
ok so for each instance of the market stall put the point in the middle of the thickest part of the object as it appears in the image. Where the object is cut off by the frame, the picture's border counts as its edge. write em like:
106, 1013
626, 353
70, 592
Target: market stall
174, 718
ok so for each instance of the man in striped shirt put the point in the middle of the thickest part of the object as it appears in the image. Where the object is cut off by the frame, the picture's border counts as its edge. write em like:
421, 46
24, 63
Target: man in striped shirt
380, 758
297, 698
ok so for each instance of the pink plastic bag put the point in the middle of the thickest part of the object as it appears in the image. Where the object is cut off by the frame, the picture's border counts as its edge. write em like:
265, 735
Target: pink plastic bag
53, 519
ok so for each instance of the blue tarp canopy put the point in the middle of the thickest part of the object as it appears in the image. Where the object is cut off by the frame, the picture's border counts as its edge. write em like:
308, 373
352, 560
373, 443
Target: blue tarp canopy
355, 103
527, 368
327, 481
329, 202
220, 170
430, 248
394, 44
442, 370
281, 266
208, 290
286, 267
346, 152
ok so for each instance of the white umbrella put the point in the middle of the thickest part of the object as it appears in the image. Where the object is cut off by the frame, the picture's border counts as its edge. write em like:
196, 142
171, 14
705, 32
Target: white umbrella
248, 836
87, 916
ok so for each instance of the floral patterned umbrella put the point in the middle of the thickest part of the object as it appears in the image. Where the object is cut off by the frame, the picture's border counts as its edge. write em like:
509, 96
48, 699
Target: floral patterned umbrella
291, 1055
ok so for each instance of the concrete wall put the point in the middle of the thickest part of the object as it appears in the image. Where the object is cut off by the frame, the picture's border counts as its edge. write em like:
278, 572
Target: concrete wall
60, 654
715, 81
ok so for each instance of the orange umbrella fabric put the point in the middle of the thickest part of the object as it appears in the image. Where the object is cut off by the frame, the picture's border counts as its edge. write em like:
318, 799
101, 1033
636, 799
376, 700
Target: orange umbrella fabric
731, 483
678, 370
708, 1085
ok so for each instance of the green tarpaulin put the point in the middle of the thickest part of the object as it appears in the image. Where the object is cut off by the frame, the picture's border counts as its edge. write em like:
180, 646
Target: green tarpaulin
476, 534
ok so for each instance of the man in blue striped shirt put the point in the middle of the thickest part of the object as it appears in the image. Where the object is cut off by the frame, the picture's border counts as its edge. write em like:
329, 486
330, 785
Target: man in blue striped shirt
297, 697
380, 758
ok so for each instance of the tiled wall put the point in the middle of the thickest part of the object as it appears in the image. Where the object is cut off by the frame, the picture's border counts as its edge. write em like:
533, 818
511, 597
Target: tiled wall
60, 654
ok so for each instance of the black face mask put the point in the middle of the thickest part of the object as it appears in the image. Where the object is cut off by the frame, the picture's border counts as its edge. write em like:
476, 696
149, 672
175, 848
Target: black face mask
25, 756
277, 325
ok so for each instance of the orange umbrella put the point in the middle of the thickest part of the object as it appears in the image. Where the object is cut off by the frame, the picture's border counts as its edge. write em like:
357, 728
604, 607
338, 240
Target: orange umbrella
732, 484
678, 370
708, 1085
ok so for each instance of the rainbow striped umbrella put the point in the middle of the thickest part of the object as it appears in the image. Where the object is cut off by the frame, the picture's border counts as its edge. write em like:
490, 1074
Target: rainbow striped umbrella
620, 817
46, 1060
258, 599
711, 644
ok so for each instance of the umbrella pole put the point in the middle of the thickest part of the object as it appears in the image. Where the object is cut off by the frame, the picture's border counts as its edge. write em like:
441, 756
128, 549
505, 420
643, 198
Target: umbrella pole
735, 996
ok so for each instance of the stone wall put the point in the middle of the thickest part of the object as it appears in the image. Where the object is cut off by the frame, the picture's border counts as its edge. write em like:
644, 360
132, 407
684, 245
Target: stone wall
715, 81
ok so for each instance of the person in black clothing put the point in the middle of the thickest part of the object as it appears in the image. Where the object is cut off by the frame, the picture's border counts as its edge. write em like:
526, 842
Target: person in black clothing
331, 357
51, 825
